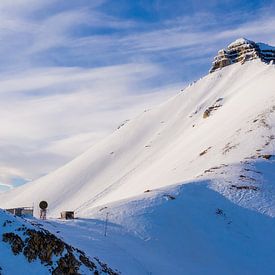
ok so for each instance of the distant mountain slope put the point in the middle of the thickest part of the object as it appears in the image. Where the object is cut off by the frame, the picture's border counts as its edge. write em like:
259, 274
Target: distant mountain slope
225, 118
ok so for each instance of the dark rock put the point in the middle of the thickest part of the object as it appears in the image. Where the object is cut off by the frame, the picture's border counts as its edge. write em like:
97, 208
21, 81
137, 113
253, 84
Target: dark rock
205, 151
67, 265
266, 156
245, 187
106, 269
206, 113
61, 258
83, 259
210, 109
42, 245
241, 51
170, 197
219, 211
15, 241
7, 222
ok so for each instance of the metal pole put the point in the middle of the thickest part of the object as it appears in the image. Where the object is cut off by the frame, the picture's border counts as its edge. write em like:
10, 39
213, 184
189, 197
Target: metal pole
106, 223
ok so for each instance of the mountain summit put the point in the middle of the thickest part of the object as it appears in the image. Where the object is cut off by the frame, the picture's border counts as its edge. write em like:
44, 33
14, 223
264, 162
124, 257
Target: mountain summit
243, 50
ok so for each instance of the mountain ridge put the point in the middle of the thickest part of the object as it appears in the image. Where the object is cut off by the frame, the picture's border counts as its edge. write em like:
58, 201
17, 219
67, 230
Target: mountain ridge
242, 50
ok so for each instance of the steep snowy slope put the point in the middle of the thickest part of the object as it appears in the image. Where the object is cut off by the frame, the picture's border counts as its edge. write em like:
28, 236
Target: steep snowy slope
185, 188
222, 119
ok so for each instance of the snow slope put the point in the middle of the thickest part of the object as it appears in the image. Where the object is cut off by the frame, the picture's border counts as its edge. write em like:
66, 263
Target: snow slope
182, 229
171, 144
184, 188
199, 232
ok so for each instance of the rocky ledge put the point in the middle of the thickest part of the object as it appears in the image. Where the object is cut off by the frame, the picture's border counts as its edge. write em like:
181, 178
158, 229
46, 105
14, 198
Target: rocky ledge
241, 51
60, 258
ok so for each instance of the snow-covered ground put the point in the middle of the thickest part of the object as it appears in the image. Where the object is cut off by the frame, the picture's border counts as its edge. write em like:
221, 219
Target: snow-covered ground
189, 229
187, 187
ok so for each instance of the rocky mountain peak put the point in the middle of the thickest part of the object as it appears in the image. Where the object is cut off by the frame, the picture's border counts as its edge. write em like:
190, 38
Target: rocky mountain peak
241, 51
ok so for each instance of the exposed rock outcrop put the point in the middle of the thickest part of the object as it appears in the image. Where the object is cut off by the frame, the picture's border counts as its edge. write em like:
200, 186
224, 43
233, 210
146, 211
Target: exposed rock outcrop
37, 244
61, 258
243, 50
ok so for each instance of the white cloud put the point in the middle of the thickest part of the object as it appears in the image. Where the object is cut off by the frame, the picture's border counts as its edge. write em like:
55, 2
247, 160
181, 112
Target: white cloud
48, 116
51, 111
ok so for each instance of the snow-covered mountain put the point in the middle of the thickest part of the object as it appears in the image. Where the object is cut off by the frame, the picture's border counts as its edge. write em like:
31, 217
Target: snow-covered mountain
172, 144
188, 186
243, 50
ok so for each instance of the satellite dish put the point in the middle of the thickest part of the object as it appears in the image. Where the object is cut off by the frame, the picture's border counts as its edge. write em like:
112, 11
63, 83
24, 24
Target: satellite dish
43, 205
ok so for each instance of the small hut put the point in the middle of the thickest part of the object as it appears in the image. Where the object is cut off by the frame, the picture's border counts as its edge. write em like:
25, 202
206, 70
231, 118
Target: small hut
21, 211
67, 215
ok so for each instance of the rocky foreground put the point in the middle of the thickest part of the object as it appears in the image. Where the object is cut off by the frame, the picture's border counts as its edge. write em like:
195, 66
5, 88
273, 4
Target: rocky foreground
39, 245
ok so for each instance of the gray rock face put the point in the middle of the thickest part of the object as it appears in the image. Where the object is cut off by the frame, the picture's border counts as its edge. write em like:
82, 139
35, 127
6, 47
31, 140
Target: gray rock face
241, 51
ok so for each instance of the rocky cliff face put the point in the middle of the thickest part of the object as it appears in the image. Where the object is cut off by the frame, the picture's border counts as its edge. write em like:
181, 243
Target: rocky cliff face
243, 50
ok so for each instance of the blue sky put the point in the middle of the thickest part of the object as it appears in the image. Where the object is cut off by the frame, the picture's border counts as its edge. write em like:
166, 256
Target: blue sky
71, 71
101, 33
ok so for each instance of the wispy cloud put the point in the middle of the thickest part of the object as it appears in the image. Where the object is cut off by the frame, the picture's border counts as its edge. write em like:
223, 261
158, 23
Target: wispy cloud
48, 116
71, 71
